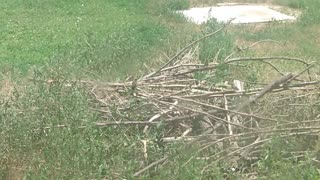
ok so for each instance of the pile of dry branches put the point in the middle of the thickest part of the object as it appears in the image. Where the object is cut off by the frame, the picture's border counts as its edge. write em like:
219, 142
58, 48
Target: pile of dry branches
234, 120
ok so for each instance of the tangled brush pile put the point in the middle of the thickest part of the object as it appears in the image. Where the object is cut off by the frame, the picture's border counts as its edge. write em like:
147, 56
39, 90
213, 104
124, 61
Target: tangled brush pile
229, 121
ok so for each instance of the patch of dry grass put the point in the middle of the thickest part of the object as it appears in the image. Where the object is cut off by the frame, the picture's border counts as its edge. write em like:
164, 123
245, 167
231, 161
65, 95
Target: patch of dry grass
6, 89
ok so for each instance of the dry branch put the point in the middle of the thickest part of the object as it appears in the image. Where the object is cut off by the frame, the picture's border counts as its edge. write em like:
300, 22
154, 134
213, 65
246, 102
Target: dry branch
275, 84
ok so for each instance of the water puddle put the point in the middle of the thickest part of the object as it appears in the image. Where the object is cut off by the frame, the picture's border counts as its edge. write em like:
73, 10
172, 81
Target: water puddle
243, 13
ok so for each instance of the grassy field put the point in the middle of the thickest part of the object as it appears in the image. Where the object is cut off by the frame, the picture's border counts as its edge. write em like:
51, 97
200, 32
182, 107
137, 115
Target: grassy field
109, 40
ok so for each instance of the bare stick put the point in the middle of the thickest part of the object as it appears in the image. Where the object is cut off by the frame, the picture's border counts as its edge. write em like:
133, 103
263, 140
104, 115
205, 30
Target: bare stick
248, 47
145, 151
182, 137
276, 69
141, 123
175, 139
150, 166
96, 96
228, 115
248, 92
219, 108
181, 65
270, 87
265, 58
212, 116
104, 124
306, 69
185, 48
186, 132
206, 68
157, 116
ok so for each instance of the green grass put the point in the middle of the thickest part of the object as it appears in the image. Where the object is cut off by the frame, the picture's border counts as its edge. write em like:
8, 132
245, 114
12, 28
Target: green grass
299, 39
294, 33
61, 40
98, 35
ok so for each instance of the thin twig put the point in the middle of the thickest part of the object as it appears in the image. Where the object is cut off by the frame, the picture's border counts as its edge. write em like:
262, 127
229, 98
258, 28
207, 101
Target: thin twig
297, 75
150, 166
248, 47
185, 48
228, 115
141, 123
265, 58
